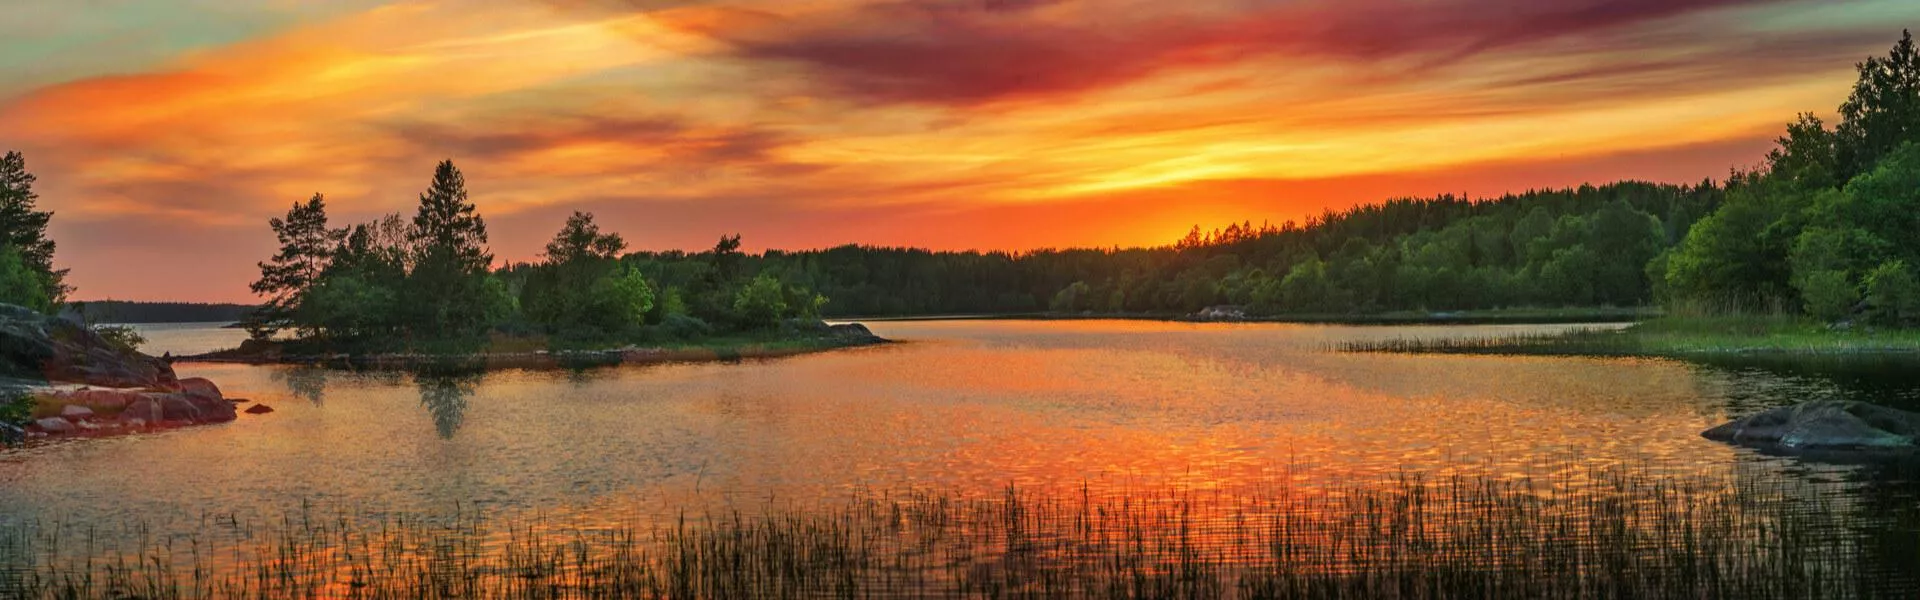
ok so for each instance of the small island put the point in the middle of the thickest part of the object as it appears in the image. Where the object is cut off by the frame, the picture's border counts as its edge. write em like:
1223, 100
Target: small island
424, 293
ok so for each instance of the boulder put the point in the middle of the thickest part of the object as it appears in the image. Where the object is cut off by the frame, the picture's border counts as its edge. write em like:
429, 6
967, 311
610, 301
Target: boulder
259, 409
145, 410
200, 387
1824, 425
75, 412
100, 399
177, 406
853, 330
53, 425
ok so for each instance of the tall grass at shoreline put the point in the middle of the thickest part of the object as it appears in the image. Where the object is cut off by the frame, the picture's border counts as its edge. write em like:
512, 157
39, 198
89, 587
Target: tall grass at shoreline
1672, 336
1626, 536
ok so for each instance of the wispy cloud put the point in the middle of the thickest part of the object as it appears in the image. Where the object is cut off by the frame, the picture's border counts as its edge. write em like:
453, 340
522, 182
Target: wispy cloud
951, 123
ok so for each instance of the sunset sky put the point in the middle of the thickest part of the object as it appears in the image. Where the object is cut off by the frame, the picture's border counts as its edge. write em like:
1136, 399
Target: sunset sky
166, 132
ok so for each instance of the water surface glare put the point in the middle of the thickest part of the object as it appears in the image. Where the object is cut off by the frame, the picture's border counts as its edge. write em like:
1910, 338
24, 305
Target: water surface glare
962, 407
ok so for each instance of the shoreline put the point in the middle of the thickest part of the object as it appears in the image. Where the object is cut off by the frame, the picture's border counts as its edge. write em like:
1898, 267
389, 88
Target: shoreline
1681, 338
547, 359
1461, 317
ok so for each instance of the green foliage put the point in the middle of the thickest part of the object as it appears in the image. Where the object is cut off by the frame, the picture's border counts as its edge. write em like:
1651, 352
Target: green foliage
683, 327
581, 286
1307, 289
1074, 298
1829, 295
1893, 294
618, 300
762, 303
24, 230
1883, 112
122, 337
448, 291
20, 284
1738, 254
349, 307
1568, 275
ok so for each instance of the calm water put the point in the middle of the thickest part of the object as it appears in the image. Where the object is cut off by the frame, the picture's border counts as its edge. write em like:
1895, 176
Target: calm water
963, 405
188, 338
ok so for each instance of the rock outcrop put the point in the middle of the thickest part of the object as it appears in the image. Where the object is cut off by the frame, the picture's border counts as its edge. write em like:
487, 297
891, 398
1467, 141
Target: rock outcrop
79, 382
36, 346
1831, 425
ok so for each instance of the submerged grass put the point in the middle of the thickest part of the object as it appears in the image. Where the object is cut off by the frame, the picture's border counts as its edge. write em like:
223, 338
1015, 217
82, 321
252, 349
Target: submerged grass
1628, 536
1675, 337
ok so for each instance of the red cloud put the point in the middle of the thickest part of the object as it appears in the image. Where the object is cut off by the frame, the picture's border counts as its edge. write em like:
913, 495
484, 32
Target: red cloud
954, 53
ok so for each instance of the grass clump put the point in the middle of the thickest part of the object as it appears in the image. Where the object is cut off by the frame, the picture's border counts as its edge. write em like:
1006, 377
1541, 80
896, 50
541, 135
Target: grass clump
1409, 537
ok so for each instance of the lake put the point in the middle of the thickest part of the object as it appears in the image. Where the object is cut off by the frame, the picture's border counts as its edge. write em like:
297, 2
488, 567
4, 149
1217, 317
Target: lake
967, 407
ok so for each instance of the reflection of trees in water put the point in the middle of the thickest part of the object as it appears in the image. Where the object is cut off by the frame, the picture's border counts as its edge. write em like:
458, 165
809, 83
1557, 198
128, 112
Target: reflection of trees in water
1889, 494
445, 397
1768, 381
306, 383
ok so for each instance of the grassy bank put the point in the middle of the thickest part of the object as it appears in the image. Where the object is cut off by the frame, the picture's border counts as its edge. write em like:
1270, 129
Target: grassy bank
1677, 337
1626, 536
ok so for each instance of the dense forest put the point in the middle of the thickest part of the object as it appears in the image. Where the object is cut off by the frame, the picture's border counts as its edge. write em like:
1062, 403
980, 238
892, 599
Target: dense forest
1579, 247
1828, 226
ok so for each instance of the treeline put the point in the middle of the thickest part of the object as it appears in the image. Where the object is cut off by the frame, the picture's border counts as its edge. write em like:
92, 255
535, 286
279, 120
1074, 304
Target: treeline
428, 283
124, 311
1830, 225
1581, 247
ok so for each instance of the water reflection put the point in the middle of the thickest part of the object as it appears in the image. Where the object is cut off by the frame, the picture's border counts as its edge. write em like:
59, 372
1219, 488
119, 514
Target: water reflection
306, 383
1886, 379
445, 397
963, 408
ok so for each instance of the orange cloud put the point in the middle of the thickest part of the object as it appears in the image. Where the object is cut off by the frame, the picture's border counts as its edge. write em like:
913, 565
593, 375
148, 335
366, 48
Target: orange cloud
949, 123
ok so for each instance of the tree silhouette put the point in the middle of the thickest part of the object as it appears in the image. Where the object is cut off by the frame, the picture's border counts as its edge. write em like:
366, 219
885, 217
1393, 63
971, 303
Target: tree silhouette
306, 250
1883, 111
449, 289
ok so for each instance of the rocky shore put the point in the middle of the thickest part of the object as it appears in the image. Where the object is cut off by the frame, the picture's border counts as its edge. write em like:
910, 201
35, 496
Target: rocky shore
1828, 426
78, 383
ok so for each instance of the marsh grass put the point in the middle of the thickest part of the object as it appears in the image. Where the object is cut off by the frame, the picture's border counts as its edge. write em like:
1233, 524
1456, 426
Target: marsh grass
1625, 536
1676, 337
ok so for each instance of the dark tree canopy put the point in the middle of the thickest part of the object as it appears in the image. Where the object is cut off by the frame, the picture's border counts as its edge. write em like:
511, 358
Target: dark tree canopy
1883, 111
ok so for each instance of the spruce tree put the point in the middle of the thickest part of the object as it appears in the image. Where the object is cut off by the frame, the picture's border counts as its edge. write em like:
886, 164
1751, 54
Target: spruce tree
449, 290
1883, 111
25, 229
448, 231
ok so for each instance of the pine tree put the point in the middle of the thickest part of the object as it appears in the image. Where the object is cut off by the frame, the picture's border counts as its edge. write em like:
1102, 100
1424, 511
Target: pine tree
25, 229
306, 250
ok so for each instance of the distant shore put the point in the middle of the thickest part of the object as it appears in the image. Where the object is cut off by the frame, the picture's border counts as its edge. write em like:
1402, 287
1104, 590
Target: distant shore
1514, 316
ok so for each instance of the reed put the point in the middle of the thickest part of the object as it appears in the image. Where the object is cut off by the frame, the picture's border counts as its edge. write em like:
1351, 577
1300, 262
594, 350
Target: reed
1628, 535
1674, 337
